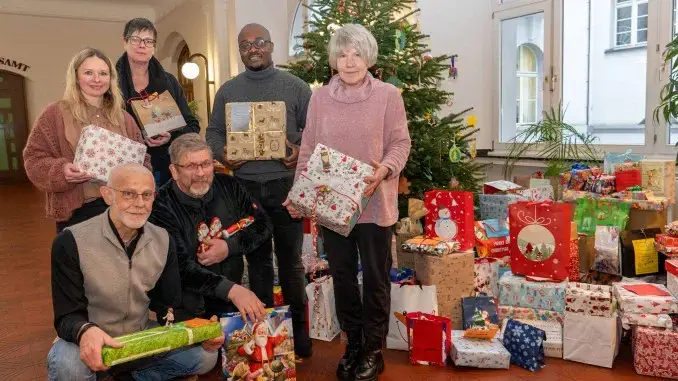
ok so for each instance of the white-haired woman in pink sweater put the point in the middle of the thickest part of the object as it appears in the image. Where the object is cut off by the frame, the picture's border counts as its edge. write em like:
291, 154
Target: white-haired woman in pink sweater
365, 118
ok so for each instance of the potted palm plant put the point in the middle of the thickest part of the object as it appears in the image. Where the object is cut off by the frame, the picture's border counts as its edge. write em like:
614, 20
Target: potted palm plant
559, 143
668, 97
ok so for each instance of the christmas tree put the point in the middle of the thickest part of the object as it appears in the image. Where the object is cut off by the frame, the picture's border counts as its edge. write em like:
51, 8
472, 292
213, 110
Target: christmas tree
442, 148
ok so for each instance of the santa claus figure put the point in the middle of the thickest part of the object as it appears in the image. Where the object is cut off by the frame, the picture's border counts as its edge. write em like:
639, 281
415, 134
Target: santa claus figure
260, 348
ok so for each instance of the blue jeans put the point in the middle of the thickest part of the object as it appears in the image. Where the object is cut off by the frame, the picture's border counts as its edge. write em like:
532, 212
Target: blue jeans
64, 364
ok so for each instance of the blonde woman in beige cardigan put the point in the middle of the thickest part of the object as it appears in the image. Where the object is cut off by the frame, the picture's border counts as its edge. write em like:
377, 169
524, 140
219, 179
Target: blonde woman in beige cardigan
91, 96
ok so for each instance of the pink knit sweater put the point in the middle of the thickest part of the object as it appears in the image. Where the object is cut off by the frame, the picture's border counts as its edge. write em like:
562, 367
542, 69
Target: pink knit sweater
368, 123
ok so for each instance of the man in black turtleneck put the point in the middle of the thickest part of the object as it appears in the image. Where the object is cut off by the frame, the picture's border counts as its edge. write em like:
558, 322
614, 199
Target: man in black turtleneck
269, 181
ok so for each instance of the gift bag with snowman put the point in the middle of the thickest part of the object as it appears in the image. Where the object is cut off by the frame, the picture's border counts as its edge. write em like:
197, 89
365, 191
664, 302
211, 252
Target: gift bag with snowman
540, 239
450, 216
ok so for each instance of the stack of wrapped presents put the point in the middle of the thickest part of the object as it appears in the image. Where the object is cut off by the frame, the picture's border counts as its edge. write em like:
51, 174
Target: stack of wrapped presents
525, 272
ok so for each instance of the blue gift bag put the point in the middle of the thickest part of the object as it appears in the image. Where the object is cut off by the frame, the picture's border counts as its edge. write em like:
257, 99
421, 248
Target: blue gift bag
526, 345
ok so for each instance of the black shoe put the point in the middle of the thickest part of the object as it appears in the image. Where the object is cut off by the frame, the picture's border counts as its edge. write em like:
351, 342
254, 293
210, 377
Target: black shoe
351, 357
370, 366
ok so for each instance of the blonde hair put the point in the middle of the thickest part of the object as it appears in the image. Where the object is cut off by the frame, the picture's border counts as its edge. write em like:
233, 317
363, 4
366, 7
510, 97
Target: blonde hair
353, 36
113, 103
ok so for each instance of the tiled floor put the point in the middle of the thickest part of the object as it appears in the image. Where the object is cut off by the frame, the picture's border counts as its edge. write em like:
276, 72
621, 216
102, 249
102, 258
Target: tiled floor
26, 329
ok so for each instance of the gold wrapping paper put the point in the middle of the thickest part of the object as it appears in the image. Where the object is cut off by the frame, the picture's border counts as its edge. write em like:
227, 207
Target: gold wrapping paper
255, 130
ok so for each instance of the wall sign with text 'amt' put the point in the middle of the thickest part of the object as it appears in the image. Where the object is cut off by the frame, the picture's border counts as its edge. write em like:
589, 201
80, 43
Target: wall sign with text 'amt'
13, 64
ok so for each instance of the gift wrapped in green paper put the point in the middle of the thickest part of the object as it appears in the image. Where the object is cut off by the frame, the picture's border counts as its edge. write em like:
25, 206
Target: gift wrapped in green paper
158, 340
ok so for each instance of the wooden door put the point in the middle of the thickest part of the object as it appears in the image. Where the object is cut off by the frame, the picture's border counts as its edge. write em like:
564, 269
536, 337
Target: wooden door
13, 127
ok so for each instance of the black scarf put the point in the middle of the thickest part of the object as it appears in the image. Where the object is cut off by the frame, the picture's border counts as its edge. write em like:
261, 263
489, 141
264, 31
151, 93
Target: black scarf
157, 81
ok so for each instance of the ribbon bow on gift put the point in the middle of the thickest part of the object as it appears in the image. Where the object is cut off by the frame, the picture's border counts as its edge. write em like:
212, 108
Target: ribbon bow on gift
672, 229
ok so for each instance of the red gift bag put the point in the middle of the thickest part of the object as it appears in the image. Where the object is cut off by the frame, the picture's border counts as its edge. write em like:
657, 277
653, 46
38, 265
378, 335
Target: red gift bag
540, 239
450, 216
627, 175
430, 338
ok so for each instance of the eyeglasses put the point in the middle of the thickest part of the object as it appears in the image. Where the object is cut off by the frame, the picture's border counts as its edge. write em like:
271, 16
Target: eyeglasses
259, 43
129, 195
194, 166
135, 40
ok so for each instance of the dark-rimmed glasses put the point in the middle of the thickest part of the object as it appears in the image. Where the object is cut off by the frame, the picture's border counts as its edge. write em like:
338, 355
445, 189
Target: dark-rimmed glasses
194, 166
136, 40
259, 43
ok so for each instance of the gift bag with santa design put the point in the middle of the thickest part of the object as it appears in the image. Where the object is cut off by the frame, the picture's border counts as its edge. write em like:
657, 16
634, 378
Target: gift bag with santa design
263, 349
540, 239
450, 216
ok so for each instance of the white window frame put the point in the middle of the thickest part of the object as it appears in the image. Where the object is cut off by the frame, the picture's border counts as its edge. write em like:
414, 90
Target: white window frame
633, 4
661, 22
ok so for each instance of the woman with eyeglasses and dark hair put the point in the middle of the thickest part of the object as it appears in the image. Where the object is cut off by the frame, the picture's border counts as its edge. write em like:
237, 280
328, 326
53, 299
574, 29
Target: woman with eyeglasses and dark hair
139, 72
91, 96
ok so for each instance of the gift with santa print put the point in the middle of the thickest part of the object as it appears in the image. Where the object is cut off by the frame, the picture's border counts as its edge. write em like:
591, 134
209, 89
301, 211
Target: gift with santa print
450, 216
540, 239
264, 348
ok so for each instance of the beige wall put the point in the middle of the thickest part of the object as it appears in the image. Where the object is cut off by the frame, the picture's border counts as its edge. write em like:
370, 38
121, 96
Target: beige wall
47, 44
189, 22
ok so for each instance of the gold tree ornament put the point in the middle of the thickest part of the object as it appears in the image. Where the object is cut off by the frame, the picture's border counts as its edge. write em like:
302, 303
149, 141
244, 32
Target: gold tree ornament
471, 121
315, 85
472, 150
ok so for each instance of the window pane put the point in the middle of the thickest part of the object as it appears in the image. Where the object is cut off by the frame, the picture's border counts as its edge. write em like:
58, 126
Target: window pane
642, 9
4, 163
642, 22
603, 93
624, 26
642, 36
518, 87
624, 38
622, 12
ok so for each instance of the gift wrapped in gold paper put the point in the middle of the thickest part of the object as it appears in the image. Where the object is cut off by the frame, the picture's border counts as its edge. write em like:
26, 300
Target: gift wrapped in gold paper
255, 130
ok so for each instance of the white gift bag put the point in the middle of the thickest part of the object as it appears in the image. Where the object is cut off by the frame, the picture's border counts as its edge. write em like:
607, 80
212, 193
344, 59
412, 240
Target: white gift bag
408, 298
591, 340
322, 313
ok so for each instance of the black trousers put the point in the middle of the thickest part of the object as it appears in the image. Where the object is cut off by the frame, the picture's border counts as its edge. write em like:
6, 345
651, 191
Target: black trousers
288, 235
371, 314
83, 213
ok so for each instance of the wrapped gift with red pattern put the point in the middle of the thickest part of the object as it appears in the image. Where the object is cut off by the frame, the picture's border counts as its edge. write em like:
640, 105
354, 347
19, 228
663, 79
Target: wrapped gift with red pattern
540, 239
332, 186
99, 151
655, 351
672, 276
450, 216
430, 338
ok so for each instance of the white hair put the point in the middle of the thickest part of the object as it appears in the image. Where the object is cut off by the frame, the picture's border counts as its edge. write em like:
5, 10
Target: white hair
353, 36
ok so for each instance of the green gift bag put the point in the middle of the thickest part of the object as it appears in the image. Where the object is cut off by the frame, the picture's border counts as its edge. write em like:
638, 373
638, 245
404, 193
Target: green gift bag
158, 340
593, 212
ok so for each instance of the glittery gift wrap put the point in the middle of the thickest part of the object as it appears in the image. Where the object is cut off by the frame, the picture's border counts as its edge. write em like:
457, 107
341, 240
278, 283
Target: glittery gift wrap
160, 340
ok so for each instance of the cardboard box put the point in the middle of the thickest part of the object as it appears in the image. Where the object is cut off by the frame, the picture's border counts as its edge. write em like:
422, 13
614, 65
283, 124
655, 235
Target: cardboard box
453, 277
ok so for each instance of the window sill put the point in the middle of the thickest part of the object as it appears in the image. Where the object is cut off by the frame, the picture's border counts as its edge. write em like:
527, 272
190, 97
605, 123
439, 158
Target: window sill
621, 49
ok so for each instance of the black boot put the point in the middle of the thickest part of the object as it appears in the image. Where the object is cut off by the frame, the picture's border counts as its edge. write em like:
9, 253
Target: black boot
303, 346
370, 366
351, 356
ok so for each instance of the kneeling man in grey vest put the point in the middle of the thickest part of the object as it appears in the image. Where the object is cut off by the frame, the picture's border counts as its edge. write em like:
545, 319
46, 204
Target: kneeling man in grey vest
107, 272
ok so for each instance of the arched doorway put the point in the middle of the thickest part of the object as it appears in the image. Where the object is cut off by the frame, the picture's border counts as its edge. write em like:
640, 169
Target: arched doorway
186, 84
13, 127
